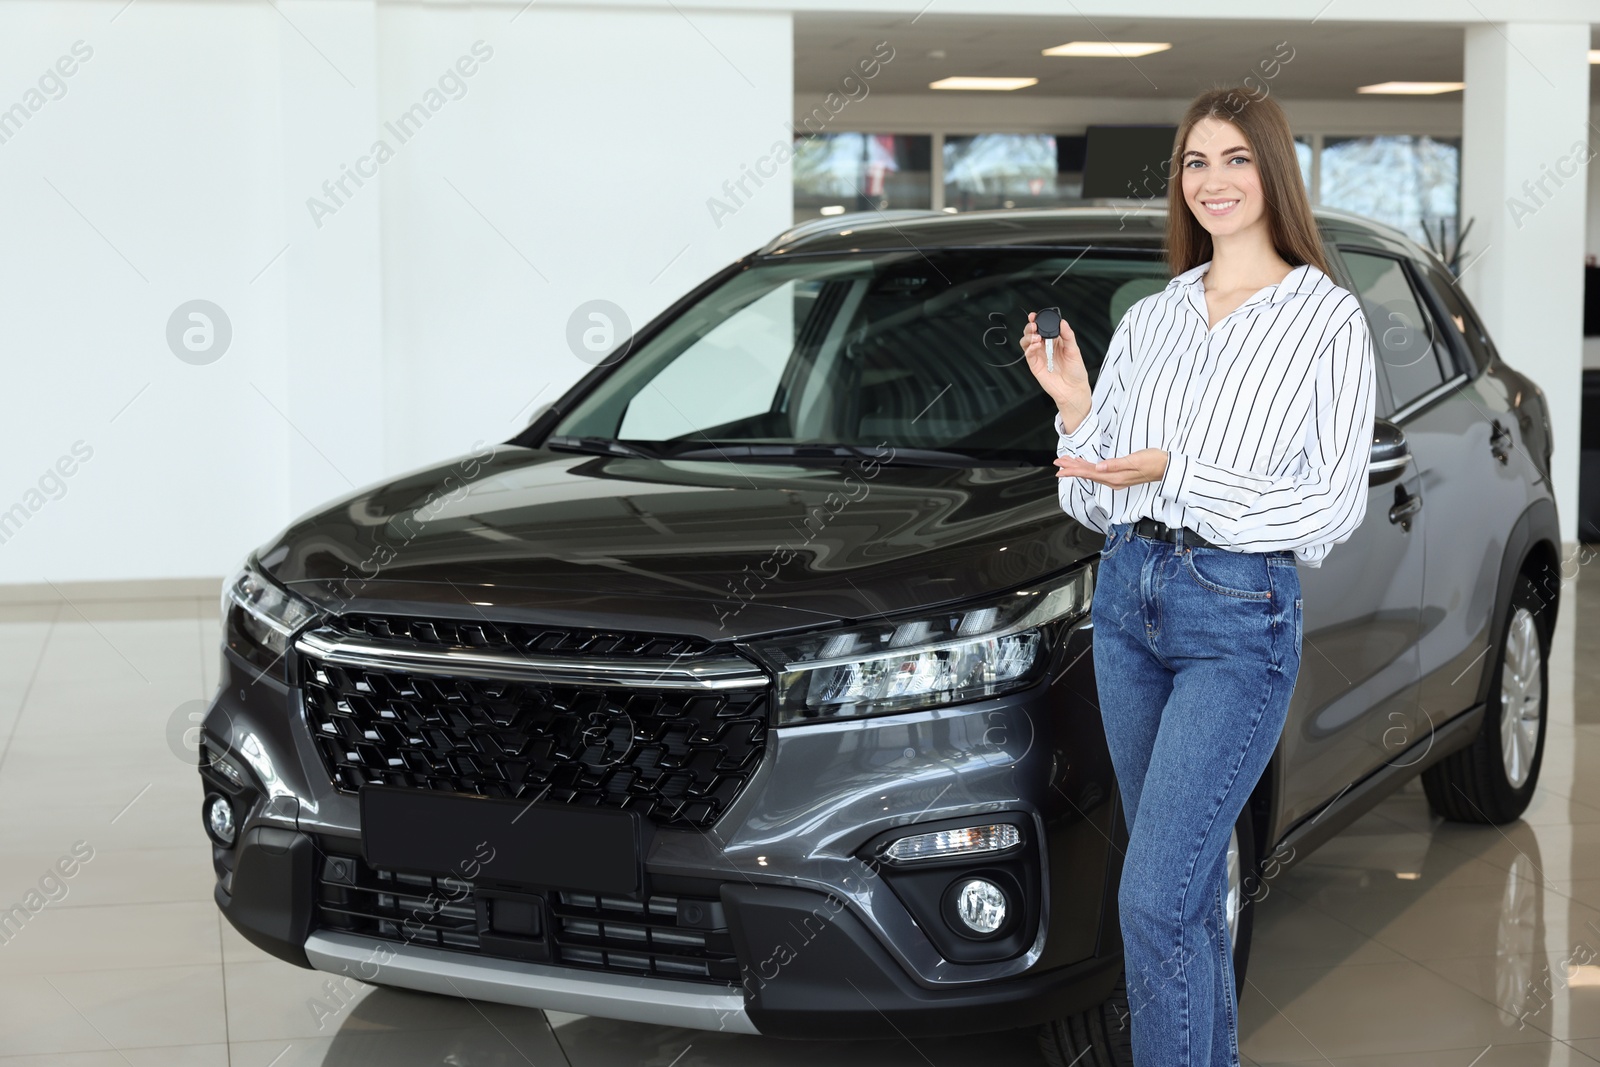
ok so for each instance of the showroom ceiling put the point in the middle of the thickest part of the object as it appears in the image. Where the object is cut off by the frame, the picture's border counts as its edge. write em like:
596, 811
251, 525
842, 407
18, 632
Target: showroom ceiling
1329, 60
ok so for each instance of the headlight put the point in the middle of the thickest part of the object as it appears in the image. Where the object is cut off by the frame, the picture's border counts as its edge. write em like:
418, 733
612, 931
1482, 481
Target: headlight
924, 661
259, 618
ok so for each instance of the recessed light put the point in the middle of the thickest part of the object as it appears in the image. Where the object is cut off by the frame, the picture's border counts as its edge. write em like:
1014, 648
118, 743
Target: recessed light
1412, 88
833, 209
1000, 84
1109, 49
1594, 55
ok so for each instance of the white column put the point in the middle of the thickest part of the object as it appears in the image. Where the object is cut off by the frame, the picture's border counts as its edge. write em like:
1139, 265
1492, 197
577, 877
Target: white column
1525, 144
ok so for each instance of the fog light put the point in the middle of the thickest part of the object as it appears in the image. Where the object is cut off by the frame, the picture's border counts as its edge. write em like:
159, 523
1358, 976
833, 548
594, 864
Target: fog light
219, 820
981, 906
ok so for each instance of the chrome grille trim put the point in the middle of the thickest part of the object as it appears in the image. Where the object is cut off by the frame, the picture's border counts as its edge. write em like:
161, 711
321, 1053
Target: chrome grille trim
715, 673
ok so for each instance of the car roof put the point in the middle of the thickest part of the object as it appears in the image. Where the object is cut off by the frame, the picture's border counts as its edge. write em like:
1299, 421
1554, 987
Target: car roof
1133, 224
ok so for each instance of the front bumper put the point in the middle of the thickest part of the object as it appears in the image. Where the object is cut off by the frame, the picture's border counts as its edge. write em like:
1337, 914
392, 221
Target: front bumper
790, 850
803, 978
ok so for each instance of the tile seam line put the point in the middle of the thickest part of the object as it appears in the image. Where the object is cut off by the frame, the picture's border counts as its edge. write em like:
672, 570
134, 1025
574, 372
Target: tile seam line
27, 691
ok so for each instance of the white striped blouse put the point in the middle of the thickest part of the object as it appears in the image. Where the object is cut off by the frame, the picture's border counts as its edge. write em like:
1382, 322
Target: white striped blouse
1267, 417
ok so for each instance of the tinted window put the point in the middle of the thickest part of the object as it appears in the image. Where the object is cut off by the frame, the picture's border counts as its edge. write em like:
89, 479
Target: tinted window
1460, 317
909, 349
1413, 357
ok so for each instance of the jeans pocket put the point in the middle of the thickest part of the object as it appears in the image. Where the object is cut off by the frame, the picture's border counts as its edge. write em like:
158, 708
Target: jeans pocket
1236, 574
1114, 540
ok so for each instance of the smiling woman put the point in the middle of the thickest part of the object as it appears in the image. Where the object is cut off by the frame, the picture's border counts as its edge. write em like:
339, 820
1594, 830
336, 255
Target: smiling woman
1225, 441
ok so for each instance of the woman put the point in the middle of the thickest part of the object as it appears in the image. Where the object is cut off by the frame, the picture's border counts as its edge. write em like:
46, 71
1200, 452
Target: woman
1226, 442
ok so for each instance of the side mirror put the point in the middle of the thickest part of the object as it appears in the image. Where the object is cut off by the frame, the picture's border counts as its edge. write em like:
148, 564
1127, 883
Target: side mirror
1390, 453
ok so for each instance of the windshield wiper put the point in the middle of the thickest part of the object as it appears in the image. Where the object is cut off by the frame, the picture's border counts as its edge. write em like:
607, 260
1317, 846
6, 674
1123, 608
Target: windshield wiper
599, 446
891, 456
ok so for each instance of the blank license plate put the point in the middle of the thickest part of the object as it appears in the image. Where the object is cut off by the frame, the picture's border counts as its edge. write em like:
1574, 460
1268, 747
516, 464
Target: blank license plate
455, 835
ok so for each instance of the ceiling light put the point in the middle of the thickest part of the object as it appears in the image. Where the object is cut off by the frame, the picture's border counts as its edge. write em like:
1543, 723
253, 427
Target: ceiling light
833, 209
1111, 49
1412, 88
1594, 55
1002, 84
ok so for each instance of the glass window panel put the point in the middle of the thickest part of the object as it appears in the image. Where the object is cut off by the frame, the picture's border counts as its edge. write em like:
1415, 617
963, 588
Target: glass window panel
861, 172
1461, 318
1302, 154
1414, 357
1410, 183
1022, 170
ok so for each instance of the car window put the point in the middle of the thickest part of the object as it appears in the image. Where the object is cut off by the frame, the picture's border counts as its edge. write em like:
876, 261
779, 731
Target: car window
916, 349
730, 373
1412, 355
1460, 315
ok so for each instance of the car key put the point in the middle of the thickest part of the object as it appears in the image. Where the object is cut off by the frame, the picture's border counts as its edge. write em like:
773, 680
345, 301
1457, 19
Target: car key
1048, 323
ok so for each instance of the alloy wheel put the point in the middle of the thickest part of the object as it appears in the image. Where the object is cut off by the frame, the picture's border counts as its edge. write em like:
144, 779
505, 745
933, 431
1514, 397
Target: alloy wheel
1521, 693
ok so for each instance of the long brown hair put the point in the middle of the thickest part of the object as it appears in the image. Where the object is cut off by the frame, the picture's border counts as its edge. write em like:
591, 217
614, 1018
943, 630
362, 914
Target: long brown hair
1266, 128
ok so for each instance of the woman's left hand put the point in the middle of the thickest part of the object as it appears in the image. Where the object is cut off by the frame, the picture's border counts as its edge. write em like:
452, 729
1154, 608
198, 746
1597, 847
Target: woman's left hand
1136, 468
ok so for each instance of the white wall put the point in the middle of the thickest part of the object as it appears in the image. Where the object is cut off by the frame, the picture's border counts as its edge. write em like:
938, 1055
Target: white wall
422, 315
155, 179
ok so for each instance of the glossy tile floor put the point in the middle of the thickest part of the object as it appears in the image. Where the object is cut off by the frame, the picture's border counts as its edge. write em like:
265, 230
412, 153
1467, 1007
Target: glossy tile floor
1406, 941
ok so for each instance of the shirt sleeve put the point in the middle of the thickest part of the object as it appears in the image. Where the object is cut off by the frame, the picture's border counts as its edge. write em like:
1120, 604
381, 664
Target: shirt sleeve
1094, 438
1321, 500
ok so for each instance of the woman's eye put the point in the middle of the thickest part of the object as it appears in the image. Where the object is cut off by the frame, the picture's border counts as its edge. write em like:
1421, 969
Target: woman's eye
1239, 159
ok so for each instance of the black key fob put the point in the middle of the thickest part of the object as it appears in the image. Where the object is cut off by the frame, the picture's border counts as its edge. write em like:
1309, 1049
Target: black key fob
1048, 322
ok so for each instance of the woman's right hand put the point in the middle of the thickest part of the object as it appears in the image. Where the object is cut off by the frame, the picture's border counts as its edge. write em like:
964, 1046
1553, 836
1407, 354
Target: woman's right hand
1068, 384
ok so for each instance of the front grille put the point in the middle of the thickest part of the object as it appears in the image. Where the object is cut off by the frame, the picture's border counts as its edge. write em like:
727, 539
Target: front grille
663, 935
677, 756
414, 908
519, 637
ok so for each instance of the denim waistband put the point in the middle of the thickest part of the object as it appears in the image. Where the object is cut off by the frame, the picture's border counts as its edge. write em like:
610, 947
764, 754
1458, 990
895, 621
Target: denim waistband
1124, 530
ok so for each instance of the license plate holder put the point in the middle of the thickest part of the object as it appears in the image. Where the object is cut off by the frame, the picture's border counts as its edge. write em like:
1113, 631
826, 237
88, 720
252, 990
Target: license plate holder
492, 839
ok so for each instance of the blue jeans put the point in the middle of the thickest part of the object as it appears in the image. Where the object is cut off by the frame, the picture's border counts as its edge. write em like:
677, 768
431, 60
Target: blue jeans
1195, 655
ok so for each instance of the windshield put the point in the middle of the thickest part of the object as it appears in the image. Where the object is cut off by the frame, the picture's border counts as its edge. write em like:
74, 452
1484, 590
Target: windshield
911, 350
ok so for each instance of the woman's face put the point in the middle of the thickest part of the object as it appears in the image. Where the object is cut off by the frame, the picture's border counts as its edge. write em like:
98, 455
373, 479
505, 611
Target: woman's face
1220, 181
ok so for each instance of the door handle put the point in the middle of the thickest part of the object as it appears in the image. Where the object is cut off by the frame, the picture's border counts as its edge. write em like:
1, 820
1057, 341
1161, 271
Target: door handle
1499, 441
1405, 505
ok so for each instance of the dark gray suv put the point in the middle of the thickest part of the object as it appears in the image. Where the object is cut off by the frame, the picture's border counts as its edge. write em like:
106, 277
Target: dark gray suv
749, 688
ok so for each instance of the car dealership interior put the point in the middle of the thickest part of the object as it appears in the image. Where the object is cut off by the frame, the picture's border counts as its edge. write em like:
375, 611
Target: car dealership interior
393, 452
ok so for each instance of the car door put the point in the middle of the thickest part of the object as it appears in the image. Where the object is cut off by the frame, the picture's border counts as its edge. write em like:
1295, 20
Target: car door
1354, 701
1475, 482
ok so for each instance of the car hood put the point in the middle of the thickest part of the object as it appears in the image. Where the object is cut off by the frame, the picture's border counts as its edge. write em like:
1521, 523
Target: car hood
718, 550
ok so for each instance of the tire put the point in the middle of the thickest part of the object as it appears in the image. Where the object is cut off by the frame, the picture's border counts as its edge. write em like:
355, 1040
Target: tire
1492, 780
1101, 1036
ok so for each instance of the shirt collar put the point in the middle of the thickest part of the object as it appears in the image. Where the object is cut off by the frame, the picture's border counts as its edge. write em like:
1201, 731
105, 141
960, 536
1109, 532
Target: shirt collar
1302, 279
